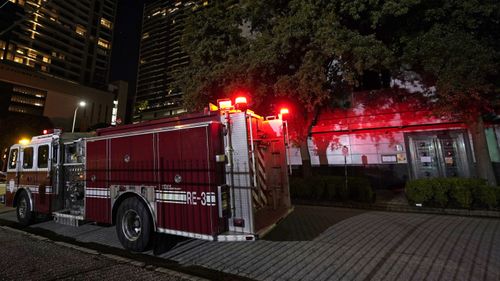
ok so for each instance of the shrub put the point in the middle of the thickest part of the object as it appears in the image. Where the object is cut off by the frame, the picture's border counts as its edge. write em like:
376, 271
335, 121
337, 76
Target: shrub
317, 187
440, 188
459, 192
360, 190
335, 188
462, 195
331, 188
299, 189
418, 191
484, 196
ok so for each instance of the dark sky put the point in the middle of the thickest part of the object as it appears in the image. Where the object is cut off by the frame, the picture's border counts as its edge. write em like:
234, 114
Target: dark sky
126, 40
125, 51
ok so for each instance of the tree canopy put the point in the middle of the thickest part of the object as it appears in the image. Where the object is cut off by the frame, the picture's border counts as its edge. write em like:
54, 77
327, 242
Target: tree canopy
316, 52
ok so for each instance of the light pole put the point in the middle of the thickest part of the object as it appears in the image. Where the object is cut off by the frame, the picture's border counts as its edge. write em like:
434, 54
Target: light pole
81, 104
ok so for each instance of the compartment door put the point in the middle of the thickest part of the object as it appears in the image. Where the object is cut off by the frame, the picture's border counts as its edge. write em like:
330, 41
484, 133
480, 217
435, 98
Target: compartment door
97, 195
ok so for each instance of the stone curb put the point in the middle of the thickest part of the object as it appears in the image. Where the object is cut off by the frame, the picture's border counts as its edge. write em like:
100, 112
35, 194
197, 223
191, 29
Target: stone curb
116, 258
405, 209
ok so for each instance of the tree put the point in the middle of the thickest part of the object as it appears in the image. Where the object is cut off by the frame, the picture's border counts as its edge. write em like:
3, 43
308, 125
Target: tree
315, 53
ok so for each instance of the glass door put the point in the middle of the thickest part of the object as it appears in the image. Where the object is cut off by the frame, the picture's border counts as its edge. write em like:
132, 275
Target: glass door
438, 154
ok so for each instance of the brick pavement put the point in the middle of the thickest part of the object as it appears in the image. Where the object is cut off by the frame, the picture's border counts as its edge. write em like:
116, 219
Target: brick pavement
367, 246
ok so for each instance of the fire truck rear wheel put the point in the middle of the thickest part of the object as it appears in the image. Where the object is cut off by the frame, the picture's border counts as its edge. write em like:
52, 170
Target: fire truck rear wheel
24, 210
134, 225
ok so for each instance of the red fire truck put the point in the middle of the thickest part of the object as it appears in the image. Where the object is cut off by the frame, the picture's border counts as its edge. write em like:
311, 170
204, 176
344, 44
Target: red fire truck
219, 175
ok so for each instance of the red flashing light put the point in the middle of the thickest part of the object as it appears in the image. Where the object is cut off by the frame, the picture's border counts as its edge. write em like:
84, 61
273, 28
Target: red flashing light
284, 111
240, 100
225, 104
51, 131
240, 103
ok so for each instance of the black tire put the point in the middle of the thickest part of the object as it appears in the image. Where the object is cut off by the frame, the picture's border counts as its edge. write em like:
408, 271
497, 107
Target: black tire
133, 225
24, 209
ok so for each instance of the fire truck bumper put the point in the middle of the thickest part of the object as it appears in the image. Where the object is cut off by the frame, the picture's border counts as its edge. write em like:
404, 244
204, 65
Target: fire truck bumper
236, 236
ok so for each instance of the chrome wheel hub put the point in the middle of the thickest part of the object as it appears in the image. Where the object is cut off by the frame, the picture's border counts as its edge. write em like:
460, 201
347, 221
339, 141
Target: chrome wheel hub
131, 225
22, 207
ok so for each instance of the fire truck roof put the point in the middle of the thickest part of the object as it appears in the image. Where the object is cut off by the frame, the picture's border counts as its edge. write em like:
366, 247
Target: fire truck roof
183, 119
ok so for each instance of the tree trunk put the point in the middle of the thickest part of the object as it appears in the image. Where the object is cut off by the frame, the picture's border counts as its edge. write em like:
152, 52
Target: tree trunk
306, 159
484, 168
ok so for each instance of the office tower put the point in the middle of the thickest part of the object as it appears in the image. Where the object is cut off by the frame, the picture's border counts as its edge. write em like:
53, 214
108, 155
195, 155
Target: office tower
69, 39
160, 57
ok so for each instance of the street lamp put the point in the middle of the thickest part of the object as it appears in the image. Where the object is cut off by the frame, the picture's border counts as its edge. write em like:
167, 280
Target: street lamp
81, 104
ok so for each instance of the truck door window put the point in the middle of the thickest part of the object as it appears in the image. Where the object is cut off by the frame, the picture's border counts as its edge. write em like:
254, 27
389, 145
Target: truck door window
55, 155
43, 156
13, 158
28, 158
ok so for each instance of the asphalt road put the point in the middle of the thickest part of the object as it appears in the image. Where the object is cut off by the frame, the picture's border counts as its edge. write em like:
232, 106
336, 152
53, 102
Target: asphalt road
27, 257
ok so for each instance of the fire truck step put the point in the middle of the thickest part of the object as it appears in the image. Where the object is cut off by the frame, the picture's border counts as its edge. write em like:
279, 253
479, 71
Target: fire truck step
67, 219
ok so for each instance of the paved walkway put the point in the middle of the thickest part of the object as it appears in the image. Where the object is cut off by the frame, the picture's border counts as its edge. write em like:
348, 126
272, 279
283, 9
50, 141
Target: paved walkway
369, 246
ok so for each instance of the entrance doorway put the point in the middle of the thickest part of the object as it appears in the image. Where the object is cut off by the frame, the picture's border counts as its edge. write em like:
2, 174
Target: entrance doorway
439, 154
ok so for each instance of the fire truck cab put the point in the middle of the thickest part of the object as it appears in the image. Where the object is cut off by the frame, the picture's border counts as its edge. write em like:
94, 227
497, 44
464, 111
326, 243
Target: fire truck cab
218, 175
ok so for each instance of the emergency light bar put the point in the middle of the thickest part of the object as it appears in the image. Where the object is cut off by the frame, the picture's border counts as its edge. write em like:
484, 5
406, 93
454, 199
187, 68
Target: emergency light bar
51, 131
284, 111
240, 103
225, 104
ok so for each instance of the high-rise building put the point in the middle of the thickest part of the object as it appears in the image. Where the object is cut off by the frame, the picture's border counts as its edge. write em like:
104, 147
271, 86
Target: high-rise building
160, 57
69, 39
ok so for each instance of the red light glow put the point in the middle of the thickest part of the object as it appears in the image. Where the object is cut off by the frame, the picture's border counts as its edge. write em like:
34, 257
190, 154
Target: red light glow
240, 100
45, 131
284, 111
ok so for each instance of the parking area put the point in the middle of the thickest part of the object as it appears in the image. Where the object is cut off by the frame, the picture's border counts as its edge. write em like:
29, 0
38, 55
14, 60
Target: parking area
325, 243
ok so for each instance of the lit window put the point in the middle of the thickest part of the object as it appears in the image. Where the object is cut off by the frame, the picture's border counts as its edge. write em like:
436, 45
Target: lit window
103, 43
145, 35
46, 59
44, 68
20, 51
32, 54
105, 23
2, 45
80, 30
18, 59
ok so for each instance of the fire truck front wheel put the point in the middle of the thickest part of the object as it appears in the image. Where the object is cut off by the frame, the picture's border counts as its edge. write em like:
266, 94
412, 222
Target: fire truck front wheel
24, 210
134, 225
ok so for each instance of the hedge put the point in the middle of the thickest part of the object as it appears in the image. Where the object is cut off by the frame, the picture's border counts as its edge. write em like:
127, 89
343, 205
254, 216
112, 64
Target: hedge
452, 192
332, 188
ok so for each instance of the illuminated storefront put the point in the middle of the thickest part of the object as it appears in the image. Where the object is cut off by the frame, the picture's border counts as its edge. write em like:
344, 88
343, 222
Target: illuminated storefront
392, 141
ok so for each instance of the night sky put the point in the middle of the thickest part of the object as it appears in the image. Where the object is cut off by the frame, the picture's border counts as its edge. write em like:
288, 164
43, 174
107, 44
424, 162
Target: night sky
125, 51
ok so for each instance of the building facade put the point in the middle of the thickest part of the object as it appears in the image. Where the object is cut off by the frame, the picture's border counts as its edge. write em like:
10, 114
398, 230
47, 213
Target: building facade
393, 141
160, 57
27, 92
68, 39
